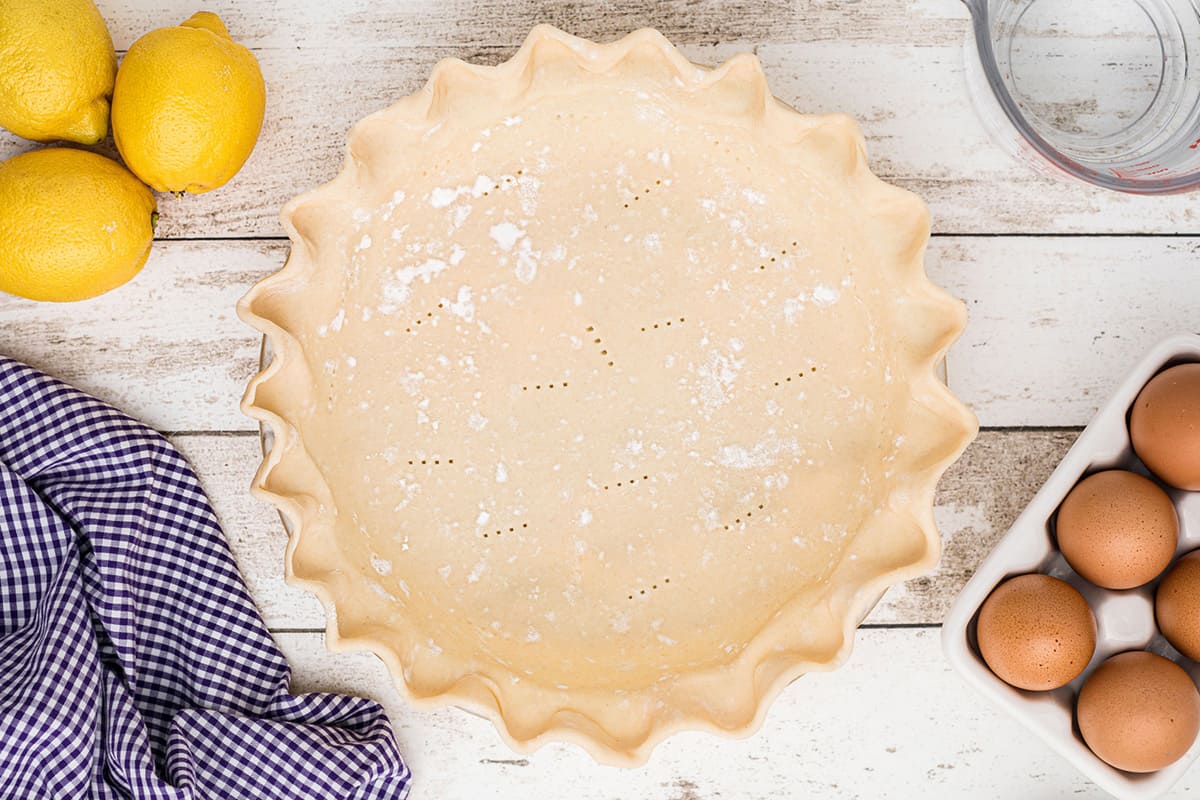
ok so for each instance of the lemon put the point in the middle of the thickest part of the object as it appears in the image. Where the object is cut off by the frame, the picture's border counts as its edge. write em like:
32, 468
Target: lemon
56, 70
73, 224
188, 106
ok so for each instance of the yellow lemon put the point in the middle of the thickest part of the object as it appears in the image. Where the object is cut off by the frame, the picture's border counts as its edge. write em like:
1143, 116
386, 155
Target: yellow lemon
73, 224
188, 106
56, 70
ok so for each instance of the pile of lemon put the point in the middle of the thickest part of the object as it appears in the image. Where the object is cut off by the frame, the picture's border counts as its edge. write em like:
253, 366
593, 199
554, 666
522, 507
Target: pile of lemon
186, 107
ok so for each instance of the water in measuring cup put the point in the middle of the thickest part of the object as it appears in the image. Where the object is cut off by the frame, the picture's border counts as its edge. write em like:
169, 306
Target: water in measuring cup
1113, 85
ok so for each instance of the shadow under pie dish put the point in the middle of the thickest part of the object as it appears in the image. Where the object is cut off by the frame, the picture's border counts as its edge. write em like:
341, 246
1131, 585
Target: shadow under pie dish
603, 394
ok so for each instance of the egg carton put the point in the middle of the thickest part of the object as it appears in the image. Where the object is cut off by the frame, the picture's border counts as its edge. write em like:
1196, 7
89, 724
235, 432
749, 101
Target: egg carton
1125, 619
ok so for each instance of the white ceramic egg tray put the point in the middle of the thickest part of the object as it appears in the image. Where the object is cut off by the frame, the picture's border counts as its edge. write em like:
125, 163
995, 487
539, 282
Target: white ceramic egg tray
1125, 618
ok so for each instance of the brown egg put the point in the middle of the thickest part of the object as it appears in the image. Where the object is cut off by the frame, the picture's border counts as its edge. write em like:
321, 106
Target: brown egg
1036, 632
1165, 426
1118, 529
1139, 711
1177, 605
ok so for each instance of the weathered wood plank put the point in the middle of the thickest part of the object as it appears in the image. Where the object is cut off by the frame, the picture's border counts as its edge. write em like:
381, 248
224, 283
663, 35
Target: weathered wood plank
463, 23
978, 499
884, 65
166, 348
1054, 324
893, 722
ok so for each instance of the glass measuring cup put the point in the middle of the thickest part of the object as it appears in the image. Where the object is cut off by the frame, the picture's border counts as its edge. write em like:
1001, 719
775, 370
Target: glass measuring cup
1107, 91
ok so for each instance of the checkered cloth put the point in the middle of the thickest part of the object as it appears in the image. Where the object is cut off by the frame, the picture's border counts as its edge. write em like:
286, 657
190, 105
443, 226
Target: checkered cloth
133, 663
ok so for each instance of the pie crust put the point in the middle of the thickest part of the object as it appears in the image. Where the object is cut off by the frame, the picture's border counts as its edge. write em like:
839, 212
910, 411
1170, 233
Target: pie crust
603, 392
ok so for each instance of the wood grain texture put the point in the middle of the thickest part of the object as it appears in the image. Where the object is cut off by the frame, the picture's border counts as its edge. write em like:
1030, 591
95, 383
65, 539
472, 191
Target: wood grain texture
977, 501
893, 64
166, 348
363, 24
893, 722
1054, 323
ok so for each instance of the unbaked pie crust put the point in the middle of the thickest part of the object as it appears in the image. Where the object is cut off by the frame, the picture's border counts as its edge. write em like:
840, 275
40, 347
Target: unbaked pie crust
603, 397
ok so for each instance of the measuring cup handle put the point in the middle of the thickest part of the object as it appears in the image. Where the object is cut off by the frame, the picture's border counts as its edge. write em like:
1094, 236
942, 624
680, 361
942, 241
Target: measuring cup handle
974, 6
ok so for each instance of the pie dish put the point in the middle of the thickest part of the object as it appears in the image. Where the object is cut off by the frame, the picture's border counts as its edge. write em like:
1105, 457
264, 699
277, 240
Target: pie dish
603, 394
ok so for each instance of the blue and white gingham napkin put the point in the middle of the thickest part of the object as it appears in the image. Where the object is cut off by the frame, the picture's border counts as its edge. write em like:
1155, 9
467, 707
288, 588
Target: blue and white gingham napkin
133, 663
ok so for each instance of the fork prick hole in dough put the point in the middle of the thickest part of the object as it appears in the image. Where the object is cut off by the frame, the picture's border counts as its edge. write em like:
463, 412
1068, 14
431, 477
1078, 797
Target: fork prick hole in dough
746, 517
642, 592
800, 374
502, 531
428, 316
667, 324
645, 191
525, 387
626, 483
774, 259
596, 340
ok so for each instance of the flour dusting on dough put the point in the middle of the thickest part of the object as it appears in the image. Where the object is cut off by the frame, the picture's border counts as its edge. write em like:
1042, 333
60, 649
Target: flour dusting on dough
397, 288
506, 234
764, 453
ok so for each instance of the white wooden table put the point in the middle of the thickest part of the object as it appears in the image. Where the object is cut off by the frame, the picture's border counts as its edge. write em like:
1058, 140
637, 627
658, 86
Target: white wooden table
1066, 286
